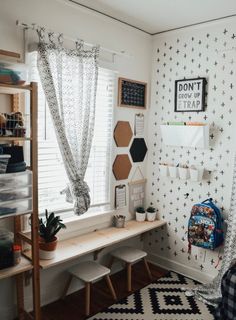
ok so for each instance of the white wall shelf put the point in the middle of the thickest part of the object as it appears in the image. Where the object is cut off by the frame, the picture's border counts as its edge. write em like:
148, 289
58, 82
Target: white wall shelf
186, 136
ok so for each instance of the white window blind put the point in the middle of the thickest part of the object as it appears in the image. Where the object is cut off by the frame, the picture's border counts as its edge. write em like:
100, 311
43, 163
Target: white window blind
51, 173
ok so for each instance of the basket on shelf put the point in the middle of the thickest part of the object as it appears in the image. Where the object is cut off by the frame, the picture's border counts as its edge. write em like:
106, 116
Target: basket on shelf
12, 124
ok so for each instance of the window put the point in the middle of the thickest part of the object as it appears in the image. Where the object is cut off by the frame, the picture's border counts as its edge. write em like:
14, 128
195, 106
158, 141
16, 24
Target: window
51, 174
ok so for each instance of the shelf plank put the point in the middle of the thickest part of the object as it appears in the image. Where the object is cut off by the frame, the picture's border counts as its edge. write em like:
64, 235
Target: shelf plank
10, 54
25, 265
14, 88
2, 138
90, 242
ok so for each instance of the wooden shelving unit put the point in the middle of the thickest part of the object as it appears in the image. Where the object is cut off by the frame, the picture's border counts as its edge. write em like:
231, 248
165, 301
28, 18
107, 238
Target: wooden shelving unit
25, 265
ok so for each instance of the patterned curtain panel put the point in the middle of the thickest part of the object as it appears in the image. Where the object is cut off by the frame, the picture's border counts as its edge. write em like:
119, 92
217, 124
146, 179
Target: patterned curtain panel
211, 293
69, 80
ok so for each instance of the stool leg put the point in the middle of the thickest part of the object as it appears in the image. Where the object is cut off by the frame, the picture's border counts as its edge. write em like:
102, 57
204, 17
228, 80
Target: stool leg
147, 269
87, 298
66, 287
129, 279
110, 263
110, 286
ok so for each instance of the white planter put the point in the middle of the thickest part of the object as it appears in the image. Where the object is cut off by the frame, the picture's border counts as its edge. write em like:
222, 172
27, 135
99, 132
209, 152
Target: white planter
46, 255
47, 250
196, 174
173, 172
151, 216
164, 170
184, 173
140, 216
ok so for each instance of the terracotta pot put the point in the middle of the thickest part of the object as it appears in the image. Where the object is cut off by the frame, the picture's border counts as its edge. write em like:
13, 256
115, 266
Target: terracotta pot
47, 249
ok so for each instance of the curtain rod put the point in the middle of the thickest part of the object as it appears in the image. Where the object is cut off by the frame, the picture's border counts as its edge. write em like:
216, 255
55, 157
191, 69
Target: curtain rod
33, 26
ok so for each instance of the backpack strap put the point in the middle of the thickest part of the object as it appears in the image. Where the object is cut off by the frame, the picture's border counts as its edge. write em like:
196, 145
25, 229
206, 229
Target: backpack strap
207, 200
189, 248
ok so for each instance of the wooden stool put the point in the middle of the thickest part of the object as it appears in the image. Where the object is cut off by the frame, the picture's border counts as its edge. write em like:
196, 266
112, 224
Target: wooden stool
88, 272
130, 256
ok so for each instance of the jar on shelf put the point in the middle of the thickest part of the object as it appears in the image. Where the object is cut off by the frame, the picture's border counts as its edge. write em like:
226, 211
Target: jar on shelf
6, 248
16, 254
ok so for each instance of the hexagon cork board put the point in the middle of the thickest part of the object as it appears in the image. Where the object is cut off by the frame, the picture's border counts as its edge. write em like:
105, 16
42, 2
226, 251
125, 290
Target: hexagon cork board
138, 150
122, 133
121, 167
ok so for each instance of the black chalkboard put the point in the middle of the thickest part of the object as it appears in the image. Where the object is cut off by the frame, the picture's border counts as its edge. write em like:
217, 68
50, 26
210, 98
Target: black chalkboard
132, 93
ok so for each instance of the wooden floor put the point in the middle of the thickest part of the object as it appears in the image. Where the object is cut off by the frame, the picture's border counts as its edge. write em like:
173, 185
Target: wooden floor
73, 307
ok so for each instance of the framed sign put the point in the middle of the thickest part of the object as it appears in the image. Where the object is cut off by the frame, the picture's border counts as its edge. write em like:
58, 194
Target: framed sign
132, 94
190, 95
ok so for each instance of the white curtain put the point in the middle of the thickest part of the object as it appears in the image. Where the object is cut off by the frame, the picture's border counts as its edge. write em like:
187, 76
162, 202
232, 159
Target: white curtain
69, 80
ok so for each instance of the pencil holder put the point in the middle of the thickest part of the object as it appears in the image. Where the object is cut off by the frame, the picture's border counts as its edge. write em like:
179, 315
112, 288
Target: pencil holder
173, 170
119, 221
164, 171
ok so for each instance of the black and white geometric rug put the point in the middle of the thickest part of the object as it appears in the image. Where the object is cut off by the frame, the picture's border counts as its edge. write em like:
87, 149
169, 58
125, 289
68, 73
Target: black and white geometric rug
161, 300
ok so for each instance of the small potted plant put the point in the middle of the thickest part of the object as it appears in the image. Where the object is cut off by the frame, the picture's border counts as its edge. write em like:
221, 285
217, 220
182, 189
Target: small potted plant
151, 213
140, 214
48, 228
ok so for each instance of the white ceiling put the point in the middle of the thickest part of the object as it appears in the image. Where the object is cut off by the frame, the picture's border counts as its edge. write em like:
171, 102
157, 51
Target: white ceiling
153, 16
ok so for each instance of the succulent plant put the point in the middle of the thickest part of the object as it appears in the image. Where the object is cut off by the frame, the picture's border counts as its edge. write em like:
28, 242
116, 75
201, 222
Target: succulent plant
50, 226
140, 210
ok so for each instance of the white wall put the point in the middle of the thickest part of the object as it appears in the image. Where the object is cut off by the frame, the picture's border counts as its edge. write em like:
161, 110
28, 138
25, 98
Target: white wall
200, 51
74, 22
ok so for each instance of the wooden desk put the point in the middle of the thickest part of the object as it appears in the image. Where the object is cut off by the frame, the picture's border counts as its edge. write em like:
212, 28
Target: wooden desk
94, 241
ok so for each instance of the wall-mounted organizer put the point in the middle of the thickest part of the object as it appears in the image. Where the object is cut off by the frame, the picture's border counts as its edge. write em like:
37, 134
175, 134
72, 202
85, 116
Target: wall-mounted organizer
139, 125
123, 134
136, 192
192, 136
193, 173
120, 196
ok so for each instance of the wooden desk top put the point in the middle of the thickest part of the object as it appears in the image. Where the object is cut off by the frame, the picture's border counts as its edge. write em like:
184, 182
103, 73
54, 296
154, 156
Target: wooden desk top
90, 242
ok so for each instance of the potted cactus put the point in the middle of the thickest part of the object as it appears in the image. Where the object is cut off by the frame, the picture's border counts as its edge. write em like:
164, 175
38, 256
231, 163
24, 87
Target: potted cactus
151, 213
48, 228
140, 214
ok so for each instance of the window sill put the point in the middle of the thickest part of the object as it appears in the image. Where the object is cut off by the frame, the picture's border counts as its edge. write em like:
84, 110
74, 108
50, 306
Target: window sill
90, 221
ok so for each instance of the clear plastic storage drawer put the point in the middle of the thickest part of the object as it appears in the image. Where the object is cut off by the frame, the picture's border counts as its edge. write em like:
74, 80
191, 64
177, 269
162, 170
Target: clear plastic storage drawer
15, 207
15, 193
14, 181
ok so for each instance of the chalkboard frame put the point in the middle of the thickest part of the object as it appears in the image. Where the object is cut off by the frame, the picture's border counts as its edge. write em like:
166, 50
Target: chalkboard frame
120, 93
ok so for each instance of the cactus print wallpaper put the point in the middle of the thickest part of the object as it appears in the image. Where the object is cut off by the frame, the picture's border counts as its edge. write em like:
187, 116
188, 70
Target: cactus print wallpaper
205, 51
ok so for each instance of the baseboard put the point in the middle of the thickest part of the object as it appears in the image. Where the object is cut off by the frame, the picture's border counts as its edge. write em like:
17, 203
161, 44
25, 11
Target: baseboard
180, 268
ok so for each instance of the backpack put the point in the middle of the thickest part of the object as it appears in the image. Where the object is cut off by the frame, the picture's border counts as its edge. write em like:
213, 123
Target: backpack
205, 226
